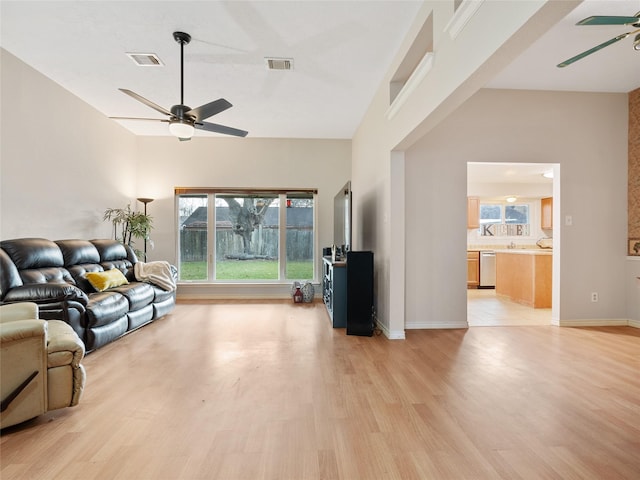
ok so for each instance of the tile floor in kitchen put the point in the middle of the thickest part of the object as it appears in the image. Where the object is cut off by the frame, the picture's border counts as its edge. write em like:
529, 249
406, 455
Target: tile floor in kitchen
484, 309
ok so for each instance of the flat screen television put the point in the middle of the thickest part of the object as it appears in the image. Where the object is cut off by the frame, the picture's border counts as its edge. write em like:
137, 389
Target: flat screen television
342, 218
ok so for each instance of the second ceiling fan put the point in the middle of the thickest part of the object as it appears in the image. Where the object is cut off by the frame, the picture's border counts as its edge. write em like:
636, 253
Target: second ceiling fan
183, 120
608, 20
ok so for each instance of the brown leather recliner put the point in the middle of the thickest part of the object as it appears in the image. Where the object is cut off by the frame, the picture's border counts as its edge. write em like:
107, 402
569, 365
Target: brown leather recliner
40, 364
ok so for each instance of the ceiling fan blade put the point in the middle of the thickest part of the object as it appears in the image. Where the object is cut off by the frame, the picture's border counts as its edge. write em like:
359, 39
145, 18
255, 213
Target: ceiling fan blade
139, 118
593, 50
210, 109
148, 103
214, 127
608, 20
184, 139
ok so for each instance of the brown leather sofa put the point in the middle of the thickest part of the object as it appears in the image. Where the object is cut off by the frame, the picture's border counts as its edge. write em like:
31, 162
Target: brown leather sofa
39, 362
54, 275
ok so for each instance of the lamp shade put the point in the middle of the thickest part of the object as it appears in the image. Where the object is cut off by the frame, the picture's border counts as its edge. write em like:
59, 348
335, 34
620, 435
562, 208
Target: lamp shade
181, 129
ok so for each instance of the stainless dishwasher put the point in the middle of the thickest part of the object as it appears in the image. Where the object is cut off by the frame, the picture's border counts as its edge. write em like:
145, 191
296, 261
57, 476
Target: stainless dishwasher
487, 269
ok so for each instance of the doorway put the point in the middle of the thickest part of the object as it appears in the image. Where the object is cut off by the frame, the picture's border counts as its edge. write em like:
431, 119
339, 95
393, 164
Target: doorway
510, 219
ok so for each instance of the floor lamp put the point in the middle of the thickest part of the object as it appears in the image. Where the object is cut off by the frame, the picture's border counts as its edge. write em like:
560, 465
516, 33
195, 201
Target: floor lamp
145, 201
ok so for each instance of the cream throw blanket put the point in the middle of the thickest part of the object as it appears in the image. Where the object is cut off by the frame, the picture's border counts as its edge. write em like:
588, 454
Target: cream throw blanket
158, 273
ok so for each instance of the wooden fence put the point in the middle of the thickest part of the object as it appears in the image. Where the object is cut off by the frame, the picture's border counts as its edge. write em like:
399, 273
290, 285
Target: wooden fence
193, 244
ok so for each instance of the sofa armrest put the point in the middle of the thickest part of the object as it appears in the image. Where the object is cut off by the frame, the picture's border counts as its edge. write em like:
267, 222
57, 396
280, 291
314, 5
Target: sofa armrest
64, 347
46, 293
65, 351
22, 329
23, 376
18, 311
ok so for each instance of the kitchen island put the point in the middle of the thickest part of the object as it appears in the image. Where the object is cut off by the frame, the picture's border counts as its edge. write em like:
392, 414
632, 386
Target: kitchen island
524, 276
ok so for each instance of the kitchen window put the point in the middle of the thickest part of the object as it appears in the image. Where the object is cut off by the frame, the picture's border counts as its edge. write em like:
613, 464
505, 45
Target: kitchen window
504, 220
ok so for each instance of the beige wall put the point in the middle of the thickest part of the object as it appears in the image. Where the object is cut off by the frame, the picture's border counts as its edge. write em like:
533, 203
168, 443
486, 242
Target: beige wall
497, 33
61, 169
63, 162
586, 134
165, 163
634, 164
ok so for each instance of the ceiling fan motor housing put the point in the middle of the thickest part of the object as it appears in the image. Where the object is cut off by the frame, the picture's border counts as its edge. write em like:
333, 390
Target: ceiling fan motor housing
182, 38
181, 112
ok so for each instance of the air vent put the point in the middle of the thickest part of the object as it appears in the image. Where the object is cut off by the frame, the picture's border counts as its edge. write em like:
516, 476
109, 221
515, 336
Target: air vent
279, 63
146, 59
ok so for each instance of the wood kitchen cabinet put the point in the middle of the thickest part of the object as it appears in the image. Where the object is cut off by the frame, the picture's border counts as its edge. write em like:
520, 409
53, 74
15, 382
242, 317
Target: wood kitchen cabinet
473, 212
525, 277
546, 213
473, 269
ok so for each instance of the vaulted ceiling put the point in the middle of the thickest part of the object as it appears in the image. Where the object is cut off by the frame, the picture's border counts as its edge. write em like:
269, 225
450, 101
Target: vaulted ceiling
340, 52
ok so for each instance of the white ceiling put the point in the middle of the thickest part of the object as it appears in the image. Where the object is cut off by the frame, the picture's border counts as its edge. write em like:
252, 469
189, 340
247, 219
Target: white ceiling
341, 51
615, 68
508, 173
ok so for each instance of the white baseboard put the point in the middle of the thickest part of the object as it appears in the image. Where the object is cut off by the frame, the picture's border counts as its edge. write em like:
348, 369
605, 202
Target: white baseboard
595, 322
435, 326
634, 323
391, 335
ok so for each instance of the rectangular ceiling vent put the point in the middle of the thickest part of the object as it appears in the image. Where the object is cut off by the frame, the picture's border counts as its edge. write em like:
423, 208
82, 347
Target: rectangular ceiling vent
146, 59
279, 63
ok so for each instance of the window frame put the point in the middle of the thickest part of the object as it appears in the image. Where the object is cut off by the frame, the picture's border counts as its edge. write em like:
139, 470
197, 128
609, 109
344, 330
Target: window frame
282, 195
503, 221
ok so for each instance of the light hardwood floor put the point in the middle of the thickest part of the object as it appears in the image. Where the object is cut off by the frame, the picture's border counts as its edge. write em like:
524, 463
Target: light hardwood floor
485, 309
270, 391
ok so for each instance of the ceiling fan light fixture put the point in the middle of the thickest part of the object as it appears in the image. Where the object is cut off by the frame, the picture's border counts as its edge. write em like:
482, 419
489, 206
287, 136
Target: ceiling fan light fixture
636, 42
181, 129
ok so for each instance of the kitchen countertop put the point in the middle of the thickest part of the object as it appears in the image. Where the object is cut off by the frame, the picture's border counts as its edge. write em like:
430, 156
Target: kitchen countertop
526, 251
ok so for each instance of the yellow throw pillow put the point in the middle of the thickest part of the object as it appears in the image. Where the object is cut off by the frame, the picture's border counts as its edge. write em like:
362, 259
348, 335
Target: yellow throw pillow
107, 279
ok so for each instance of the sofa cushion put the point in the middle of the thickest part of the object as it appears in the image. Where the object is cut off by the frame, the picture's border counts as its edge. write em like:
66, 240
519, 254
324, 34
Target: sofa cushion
138, 294
28, 253
9, 275
105, 307
46, 275
110, 249
46, 293
78, 252
79, 274
102, 281
160, 294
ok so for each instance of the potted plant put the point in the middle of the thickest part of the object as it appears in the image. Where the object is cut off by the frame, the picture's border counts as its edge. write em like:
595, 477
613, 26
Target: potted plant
129, 225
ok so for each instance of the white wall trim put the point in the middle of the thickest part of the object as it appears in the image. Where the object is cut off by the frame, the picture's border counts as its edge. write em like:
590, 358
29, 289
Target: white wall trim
634, 323
210, 291
595, 322
421, 71
391, 334
462, 16
435, 326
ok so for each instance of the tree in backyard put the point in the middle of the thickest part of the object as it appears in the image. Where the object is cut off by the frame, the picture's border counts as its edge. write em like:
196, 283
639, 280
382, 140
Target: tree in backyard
246, 217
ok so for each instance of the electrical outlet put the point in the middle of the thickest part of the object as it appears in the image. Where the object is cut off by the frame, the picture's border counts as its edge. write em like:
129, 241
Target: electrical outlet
568, 220
594, 296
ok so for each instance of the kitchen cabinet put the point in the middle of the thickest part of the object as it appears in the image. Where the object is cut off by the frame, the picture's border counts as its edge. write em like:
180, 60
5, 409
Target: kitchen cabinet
546, 213
524, 276
473, 269
473, 212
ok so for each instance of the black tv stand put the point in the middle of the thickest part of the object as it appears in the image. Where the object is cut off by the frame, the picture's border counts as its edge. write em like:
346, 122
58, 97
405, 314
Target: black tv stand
348, 292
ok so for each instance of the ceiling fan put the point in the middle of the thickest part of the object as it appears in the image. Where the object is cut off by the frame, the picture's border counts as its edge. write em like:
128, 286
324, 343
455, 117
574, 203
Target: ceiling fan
608, 20
183, 120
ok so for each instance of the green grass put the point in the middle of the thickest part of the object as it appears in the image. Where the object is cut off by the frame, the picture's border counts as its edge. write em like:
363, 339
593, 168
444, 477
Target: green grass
246, 270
